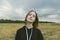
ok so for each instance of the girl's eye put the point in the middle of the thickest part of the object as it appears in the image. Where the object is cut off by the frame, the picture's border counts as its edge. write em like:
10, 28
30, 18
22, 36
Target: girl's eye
30, 14
33, 15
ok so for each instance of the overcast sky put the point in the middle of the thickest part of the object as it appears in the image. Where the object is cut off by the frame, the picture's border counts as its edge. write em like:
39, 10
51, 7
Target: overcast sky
48, 10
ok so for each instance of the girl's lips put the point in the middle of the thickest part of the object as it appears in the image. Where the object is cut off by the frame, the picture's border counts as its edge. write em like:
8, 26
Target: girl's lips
30, 19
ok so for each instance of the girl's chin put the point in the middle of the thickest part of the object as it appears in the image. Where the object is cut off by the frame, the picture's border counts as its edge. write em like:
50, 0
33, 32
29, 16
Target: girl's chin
30, 21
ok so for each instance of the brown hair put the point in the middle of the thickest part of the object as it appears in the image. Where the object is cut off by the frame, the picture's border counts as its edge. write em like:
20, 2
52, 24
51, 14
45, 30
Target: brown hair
35, 23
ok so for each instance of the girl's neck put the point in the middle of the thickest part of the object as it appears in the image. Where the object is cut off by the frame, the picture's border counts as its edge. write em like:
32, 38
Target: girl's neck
29, 25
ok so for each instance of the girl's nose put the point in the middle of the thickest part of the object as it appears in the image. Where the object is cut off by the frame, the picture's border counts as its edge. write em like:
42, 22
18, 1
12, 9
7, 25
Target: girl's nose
30, 17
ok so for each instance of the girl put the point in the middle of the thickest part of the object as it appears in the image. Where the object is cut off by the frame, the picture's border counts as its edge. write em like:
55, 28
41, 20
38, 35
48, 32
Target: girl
29, 31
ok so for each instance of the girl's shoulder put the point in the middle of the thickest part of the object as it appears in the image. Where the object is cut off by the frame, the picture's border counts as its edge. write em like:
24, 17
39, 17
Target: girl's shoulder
37, 30
20, 29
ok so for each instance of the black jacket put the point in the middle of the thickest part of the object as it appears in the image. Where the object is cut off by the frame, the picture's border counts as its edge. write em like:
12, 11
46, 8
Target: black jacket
21, 34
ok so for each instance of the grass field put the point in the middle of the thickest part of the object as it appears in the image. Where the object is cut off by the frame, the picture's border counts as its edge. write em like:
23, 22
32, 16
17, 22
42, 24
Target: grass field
50, 31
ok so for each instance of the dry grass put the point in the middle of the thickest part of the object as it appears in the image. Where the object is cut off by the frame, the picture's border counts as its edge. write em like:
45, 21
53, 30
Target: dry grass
51, 31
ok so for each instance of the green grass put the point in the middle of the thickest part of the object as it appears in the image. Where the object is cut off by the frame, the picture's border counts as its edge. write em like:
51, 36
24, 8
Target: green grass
50, 31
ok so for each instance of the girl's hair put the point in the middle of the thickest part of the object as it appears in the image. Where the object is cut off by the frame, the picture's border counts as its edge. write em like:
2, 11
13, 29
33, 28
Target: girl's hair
35, 23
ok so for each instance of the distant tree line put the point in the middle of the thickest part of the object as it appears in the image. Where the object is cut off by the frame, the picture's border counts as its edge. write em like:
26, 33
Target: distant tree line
18, 21
10, 21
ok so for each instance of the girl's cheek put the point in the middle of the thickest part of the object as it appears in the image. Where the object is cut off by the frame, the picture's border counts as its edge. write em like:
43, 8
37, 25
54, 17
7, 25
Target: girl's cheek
33, 19
28, 17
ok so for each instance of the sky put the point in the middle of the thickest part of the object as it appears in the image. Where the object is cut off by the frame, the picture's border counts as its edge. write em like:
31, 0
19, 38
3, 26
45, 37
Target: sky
47, 10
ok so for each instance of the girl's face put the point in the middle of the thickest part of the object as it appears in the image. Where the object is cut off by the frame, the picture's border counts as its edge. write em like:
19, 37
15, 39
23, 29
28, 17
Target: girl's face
31, 17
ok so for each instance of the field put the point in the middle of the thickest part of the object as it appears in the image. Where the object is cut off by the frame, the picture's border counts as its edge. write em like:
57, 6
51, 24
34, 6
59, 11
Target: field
50, 31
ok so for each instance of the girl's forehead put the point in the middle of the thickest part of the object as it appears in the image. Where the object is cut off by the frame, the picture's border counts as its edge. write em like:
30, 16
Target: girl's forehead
32, 13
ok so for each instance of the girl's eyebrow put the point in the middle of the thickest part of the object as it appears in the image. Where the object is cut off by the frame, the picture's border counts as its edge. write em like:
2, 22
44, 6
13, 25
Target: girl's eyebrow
34, 14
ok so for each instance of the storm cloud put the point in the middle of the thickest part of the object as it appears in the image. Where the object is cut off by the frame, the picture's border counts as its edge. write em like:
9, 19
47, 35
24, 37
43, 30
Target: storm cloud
48, 10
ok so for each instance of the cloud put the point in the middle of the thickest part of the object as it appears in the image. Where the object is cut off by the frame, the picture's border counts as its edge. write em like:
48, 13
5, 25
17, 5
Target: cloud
21, 12
52, 16
49, 14
5, 9
17, 9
